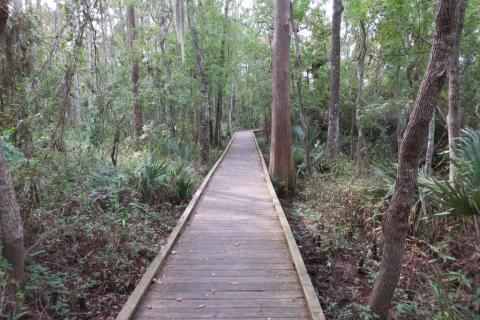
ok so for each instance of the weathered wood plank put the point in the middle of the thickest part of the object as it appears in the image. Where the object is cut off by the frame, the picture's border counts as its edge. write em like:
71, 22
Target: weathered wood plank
229, 295
162, 287
182, 303
206, 312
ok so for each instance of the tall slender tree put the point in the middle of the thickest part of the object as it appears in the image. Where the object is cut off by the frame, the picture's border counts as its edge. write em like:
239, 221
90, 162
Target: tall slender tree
453, 118
334, 109
281, 157
217, 135
361, 52
303, 116
396, 218
137, 108
204, 84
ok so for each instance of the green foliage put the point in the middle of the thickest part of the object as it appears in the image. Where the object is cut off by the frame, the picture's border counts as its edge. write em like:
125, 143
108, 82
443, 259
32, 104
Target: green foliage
182, 182
47, 288
183, 150
462, 195
150, 173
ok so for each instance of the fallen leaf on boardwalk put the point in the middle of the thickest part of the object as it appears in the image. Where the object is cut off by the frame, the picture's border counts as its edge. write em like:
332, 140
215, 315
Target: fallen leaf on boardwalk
154, 280
213, 273
235, 283
174, 252
201, 306
214, 290
179, 299
149, 306
237, 244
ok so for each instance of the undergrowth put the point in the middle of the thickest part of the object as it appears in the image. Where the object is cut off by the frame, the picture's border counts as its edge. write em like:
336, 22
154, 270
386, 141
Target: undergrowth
91, 228
337, 222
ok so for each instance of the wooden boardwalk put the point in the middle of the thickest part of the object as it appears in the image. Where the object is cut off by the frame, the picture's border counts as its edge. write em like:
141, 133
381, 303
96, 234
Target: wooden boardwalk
233, 256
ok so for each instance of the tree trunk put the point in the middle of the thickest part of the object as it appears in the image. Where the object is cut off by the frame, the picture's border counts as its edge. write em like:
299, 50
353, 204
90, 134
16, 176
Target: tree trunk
204, 112
217, 137
10, 218
398, 114
137, 109
453, 118
230, 112
334, 110
11, 222
395, 223
303, 118
281, 157
430, 145
361, 51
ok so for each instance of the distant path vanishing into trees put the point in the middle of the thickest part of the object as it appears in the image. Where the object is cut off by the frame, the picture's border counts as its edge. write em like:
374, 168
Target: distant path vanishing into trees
232, 254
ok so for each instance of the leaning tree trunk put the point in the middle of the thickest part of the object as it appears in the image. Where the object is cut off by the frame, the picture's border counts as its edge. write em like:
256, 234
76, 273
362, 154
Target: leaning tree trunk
204, 118
396, 218
334, 110
303, 118
10, 218
453, 118
137, 109
361, 50
281, 157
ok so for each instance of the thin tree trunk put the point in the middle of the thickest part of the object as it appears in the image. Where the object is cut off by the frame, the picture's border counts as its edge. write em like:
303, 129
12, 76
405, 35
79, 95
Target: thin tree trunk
204, 84
334, 110
66, 88
217, 138
396, 218
361, 50
281, 157
137, 109
430, 145
230, 112
398, 114
303, 118
453, 118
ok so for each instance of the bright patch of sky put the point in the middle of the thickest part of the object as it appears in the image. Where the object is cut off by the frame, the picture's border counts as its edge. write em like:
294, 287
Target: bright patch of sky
325, 4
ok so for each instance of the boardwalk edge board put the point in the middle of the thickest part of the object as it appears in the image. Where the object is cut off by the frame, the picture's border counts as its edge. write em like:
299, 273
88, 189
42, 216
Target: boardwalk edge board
136, 296
311, 298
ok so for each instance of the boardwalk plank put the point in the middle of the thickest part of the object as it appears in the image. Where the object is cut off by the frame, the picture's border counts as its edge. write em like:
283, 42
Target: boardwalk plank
232, 259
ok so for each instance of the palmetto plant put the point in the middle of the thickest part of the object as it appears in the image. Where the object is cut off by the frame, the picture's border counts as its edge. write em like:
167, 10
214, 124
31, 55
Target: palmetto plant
150, 173
462, 195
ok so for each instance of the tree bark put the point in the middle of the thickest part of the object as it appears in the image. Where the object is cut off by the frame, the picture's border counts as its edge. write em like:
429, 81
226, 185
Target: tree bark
10, 218
303, 118
396, 218
217, 136
361, 51
453, 118
137, 109
204, 84
11, 222
230, 112
334, 110
281, 157
430, 145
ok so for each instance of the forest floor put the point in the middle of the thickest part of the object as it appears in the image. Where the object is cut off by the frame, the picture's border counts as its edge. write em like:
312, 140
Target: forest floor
337, 225
90, 232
